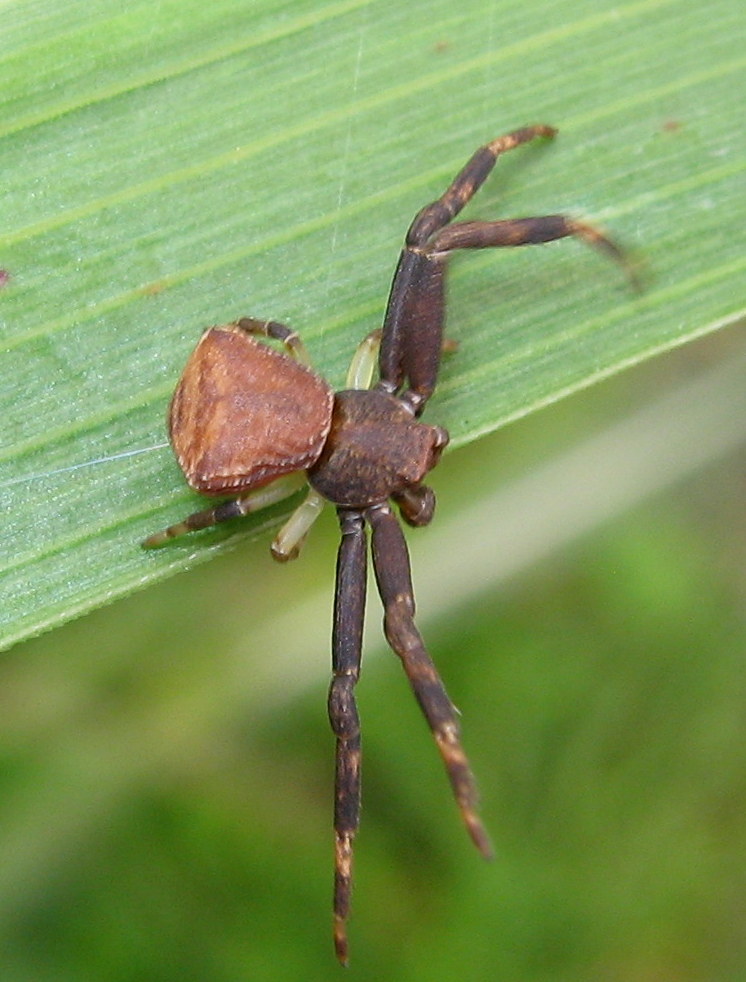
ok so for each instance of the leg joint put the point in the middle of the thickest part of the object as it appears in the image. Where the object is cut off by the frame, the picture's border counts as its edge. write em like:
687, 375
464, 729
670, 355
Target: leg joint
343, 714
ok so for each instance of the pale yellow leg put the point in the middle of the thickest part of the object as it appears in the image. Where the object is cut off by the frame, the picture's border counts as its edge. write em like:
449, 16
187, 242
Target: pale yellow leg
288, 541
290, 538
363, 364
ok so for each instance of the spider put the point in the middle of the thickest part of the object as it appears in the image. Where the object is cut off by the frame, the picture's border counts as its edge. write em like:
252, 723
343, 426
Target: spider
251, 424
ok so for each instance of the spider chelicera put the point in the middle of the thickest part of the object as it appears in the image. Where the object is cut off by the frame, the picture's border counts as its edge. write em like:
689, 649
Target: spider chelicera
252, 424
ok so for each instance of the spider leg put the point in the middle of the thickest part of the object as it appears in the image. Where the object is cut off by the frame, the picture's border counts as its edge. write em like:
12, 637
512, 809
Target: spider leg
467, 182
527, 231
282, 488
347, 641
362, 366
413, 324
278, 332
288, 541
391, 564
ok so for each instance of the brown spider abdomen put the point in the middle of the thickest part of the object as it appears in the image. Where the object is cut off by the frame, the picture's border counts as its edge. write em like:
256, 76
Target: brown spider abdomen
244, 414
375, 449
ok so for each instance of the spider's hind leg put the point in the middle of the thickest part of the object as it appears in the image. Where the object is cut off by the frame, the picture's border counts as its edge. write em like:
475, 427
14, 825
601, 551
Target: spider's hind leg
289, 338
282, 488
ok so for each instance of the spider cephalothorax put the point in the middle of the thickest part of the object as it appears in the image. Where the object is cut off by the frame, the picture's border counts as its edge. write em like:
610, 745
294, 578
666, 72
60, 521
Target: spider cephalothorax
245, 420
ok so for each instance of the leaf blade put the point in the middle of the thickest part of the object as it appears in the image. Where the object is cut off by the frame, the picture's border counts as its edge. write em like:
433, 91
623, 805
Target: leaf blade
336, 123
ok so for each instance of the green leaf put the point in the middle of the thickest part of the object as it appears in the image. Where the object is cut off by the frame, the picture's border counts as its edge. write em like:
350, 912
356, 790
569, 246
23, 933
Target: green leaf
175, 165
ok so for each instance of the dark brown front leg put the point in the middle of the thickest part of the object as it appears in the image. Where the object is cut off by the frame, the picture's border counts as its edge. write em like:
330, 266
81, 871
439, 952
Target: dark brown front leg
391, 564
413, 326
412, 336
467, 182
525, 231
347, 640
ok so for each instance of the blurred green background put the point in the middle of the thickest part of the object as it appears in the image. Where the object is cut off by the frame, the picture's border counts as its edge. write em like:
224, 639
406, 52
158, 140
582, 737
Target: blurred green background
166, 762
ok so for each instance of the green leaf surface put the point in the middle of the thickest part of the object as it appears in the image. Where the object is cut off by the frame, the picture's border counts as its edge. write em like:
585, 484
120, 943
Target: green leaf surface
175, 165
